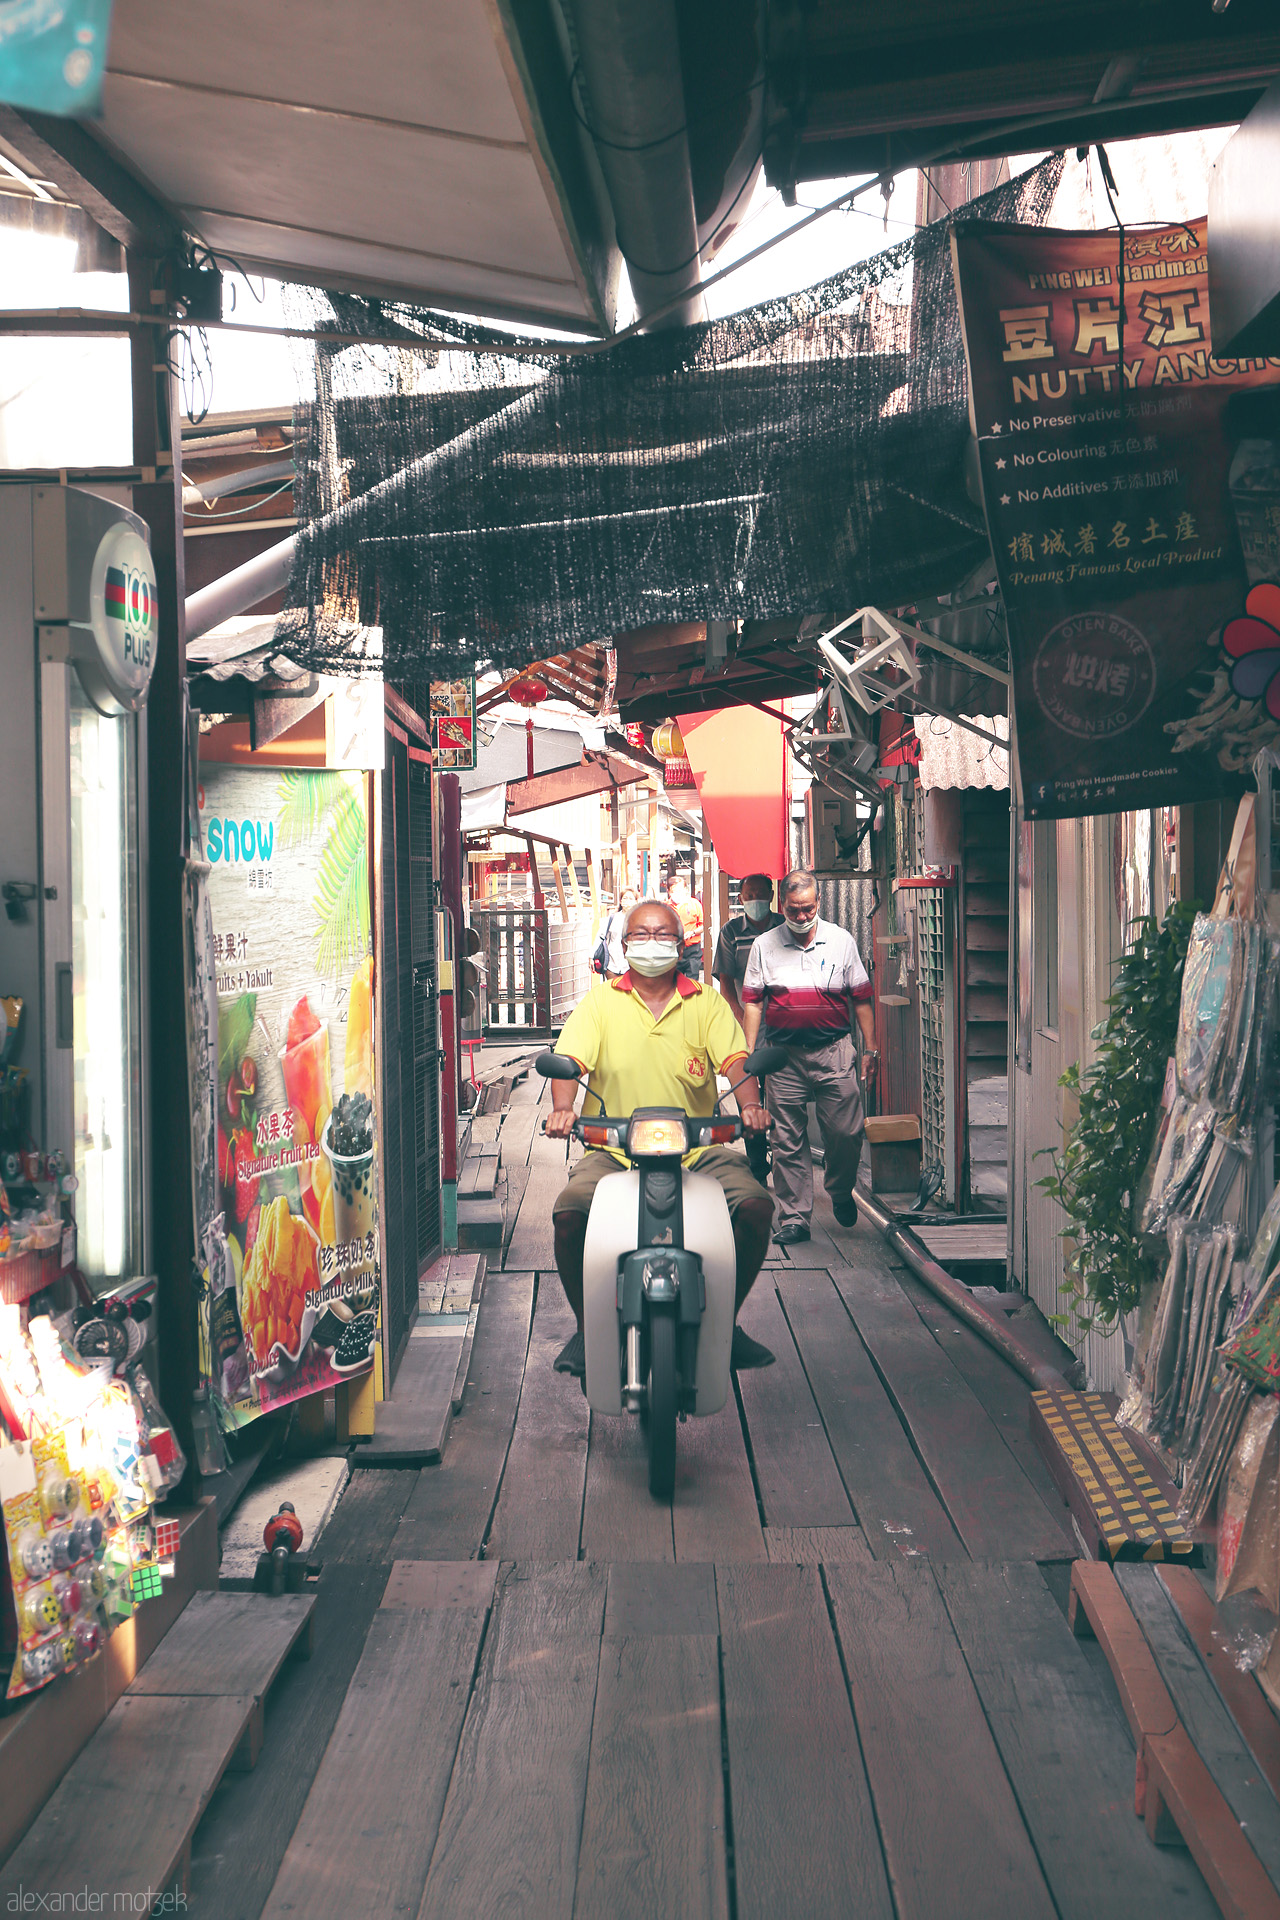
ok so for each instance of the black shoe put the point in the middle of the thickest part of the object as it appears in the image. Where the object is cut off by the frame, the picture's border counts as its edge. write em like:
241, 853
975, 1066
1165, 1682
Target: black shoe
845, 1211
790, 1233
572, 1357
746, 1352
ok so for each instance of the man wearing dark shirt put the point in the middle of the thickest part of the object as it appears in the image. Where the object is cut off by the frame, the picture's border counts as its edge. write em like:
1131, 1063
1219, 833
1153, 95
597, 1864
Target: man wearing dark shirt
737, 937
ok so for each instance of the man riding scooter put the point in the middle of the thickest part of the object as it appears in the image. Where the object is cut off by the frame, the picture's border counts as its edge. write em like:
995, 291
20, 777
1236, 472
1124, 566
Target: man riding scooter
652, 1038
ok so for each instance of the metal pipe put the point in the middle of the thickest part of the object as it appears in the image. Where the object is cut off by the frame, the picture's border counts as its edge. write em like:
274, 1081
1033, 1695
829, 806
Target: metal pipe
1037, 1373
630, 84
242, 482
243, 587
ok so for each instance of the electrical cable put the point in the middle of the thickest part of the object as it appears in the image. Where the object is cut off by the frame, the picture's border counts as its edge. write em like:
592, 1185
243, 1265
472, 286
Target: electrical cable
661, 273
641, 146
1109, 183
231, 512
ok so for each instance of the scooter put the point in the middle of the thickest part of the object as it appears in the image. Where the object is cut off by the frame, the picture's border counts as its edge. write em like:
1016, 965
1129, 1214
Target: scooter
659, 1268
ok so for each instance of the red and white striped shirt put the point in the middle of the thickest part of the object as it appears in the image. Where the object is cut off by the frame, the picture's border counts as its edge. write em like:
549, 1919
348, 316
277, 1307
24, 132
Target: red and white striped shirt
806, 991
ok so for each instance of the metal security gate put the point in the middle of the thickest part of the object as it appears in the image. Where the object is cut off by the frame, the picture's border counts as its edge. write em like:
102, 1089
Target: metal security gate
537, 968
411, 1091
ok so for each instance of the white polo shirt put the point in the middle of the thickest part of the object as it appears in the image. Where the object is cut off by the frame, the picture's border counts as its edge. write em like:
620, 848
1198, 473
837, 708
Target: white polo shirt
807, 992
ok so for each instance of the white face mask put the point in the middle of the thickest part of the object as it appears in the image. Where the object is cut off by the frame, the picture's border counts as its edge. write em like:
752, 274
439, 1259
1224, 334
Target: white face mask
756, 909
802, 929
651, 957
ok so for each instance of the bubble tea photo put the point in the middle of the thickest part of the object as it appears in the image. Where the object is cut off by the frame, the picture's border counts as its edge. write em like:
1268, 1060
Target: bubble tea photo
348, 1144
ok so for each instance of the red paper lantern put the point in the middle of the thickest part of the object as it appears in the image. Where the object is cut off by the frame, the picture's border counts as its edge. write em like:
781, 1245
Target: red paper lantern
527, 693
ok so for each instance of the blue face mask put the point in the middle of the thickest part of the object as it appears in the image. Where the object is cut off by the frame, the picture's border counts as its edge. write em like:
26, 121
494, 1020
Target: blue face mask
756, 909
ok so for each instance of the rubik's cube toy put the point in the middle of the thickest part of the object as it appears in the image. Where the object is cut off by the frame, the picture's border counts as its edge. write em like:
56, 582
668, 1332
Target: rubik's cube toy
168, 1539
147, 1584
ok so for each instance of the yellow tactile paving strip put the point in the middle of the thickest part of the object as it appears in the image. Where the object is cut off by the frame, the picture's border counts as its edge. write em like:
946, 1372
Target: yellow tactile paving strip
1133, 1516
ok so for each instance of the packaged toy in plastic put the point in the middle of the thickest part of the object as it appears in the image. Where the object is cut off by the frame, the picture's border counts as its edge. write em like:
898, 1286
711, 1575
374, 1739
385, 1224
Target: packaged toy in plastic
54, 1545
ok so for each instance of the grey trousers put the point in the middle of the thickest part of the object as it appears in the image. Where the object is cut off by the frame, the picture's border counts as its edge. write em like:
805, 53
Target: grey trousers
827, 1077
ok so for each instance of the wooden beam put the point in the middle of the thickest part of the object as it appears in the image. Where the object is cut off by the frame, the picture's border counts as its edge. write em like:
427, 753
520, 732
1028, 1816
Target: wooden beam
555, 868
65, 152
412, 721
538, 898
562, 783
594, 885
573, 877
157, 430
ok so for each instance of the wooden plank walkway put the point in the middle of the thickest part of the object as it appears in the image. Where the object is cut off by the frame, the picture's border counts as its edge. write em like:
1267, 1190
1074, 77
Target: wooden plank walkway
828, 1677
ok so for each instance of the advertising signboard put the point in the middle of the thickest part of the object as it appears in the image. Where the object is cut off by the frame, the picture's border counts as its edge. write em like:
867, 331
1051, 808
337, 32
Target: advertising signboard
1134, 514
295, 1311
453, 723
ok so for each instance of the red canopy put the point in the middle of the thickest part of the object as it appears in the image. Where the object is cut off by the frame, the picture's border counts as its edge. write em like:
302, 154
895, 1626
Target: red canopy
739, 767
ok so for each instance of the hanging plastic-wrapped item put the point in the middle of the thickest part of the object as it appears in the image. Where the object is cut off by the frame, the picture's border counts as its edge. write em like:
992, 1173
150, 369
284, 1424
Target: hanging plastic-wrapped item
1206, 983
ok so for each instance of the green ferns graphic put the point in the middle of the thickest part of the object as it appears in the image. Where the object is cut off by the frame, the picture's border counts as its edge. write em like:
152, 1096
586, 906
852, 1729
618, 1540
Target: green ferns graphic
308, 801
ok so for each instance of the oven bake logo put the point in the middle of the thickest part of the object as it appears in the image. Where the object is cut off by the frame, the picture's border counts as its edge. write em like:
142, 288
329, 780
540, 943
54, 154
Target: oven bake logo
1094, 675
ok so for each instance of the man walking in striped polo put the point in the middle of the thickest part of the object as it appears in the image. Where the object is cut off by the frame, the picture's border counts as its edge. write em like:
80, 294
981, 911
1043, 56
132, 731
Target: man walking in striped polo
806, 982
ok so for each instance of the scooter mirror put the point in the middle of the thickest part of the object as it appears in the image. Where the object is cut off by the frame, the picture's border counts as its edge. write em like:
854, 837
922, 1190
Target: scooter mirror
764, 1060
557, 1066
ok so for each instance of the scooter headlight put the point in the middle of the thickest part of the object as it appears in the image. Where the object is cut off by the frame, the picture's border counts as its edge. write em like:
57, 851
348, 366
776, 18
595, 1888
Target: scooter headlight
664, 1136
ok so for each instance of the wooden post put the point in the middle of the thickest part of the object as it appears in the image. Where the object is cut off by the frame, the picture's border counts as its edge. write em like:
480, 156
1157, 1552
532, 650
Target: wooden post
555, 868
157, 444
593, 883
538, 901
574, 888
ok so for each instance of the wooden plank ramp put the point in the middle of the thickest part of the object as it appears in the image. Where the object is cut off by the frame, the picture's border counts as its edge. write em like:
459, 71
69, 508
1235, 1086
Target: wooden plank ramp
967, 1240
1122, 1502
995, 1509
1097, 1606
804, 1831
796, 1473
899, 1510
231, 1643
1066, 1750
194, 1710
509, 1833
412, 1425
371, 1818
450, 1283
946, 1812
539, 1513
1210, 1728
1240, 1693
122, 1818
653, 1830
448, 1512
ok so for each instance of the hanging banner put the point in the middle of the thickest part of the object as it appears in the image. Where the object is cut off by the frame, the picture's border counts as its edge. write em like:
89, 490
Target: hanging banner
453, 724
296, 1311
52, 53
1134, 518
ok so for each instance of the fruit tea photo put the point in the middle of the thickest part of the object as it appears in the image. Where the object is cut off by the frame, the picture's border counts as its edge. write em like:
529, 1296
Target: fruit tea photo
295, 1310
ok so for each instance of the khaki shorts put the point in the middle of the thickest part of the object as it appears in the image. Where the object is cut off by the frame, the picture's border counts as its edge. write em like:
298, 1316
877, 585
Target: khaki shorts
729, 1168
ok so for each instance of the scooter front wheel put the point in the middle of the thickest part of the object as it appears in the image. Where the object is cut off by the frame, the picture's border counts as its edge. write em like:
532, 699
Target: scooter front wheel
662, 1403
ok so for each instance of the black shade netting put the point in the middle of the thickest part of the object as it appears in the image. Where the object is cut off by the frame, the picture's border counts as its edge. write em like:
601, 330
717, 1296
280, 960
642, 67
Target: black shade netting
493, 502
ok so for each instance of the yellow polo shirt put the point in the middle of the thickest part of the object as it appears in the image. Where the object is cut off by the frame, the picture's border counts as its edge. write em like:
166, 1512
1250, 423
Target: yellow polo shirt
633, 1060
